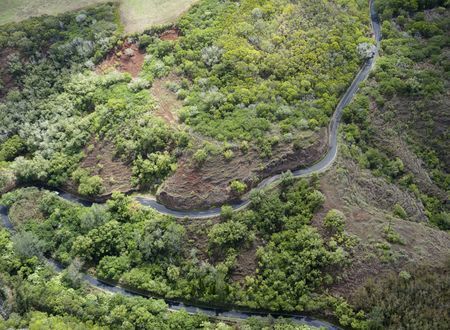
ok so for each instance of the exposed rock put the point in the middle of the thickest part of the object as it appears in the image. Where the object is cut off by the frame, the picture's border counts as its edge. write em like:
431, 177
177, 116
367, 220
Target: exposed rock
192, 187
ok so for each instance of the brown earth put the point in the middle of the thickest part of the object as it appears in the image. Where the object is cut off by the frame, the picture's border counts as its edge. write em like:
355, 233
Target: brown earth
123, 62
246, 263
100, 160
167, 102
367, 202
171, 34
197, 234
424, 123
193, 187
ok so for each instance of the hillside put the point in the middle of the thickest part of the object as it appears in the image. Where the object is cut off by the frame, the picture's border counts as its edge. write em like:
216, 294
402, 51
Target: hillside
263, 118
123, 159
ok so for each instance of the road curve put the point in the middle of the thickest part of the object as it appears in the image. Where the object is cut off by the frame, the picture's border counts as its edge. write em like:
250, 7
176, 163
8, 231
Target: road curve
220, 312
319, 167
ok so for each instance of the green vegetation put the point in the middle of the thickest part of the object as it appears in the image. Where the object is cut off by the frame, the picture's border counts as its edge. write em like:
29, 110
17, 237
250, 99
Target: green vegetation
251, 75
411, 299
259, 66
409, 83
137, 247
42, 300
59, 104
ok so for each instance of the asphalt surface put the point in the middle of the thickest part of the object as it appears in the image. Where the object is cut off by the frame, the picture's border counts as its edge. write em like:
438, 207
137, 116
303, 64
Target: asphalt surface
223, 312
318, 167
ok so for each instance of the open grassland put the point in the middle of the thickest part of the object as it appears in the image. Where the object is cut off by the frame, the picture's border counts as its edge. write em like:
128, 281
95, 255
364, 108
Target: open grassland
17, 10
136, 15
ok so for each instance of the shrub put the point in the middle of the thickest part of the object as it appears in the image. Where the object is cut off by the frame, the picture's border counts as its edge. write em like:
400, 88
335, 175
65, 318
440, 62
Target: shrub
112, 268
228, 234
200, 157
226, 212
147, 172
238, 187
400, 212
334, 221
12, 148
31, 170
27, 245
228, 154
392, 236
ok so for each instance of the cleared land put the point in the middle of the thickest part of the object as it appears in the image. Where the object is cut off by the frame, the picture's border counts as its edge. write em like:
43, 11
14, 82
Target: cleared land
136, 15
18, 10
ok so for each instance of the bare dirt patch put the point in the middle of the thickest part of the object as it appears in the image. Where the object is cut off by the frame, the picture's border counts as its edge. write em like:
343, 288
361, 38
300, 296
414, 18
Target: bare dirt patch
193, 187
101, 160
127, 58
170, 35
167, 101
246, 263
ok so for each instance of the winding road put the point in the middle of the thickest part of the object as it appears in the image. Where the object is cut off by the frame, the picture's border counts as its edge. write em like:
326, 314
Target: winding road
319, 167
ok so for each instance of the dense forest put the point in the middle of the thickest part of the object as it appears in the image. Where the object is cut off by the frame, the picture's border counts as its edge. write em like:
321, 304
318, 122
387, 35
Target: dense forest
250, 75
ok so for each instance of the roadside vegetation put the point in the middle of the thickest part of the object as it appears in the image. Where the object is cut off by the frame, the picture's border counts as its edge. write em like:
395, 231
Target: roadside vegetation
141, 249
250, 76
33, 296
410, 83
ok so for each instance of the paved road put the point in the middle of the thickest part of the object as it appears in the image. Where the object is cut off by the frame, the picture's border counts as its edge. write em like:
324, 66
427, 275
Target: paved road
176, 305
321, 166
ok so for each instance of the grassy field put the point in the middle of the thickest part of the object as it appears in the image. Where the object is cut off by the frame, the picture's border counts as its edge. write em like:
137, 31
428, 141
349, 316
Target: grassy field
135, 14
17, 10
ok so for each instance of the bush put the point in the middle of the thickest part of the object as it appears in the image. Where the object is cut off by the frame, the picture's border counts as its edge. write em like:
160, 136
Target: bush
226, 212
228, 154
90, 185
147, 172
31, 170
27, 245
200, 157
112, 268
238, 187
228, 234
400, 212
12, 148
334, 221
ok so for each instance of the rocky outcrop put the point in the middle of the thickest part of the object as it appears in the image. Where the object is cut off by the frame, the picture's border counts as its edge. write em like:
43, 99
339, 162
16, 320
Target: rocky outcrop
193, 187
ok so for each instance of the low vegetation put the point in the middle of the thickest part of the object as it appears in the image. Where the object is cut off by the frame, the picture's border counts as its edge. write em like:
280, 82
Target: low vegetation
407, 83
251, 78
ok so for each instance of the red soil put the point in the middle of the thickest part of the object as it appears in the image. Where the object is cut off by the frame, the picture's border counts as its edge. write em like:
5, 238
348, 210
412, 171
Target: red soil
128, 58
172, 34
